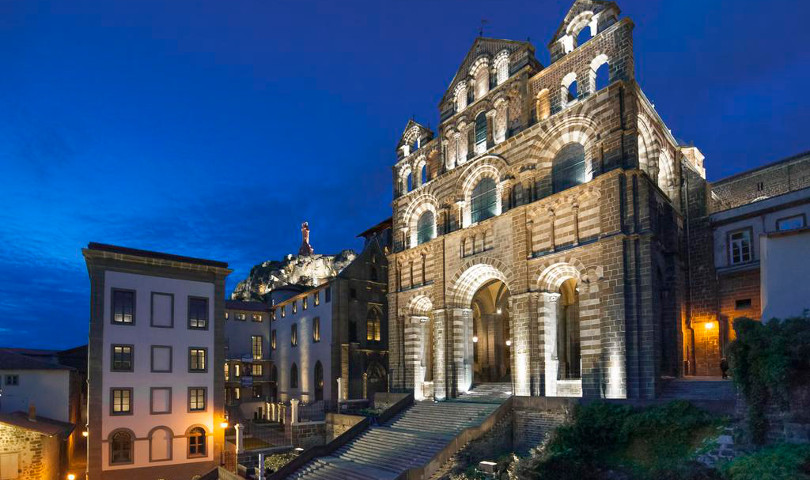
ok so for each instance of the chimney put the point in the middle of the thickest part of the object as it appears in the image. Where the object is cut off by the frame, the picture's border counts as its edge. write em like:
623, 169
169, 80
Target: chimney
32, 413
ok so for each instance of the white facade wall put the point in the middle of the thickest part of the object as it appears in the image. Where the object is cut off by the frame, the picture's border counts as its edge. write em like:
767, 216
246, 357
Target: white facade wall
784, 288
142, 336
307, 353
48, 390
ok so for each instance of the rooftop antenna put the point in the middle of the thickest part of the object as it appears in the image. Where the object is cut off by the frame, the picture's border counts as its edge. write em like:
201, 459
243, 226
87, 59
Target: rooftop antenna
484, 21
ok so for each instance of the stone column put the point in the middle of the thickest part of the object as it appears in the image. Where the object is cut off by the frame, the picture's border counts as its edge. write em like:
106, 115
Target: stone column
529, 239
462, 348
440, 364
576, 224
294, 409
240, 438
552, 240
547, 310
521, 351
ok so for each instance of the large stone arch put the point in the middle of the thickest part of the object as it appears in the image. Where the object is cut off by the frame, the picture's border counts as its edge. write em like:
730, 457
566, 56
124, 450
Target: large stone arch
419, 305
576, 129
489, 166
648, 148
422, 203
473, 274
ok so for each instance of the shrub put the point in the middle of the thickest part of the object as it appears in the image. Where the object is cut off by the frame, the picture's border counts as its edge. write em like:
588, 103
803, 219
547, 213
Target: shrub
767, 361
779, 462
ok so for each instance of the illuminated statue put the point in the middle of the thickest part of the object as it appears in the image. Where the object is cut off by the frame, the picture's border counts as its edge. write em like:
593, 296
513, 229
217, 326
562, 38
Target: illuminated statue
306, 249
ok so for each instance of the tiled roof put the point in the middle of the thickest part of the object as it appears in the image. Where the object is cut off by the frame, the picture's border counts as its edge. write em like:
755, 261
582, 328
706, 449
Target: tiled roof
249, 306
42, 425
10, 360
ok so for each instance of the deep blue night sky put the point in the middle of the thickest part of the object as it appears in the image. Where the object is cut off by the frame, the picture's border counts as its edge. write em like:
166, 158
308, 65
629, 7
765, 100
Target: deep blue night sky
213, 129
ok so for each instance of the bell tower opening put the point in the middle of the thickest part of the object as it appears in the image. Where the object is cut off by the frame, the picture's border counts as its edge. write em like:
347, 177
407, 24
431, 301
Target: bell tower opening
492, 340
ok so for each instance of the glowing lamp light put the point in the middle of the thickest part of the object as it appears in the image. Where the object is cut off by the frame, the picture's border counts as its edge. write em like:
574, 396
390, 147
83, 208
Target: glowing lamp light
475, 338
509, 343
71, 476
224, 424
709, 325
84, 434
498, 311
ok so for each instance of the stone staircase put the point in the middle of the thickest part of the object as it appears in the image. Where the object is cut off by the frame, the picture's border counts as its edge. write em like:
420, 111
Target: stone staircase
698, 389
409, 440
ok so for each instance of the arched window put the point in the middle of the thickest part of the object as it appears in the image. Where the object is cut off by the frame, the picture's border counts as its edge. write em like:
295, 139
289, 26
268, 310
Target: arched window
294, 376
568, 91
568, 168
543, 105
409, 182
502, 67
318, 376
196, 442
584, 35
373, 323
481, 132
425, 228
423, 173
483, 200
121, 448
160, 444
568, 338
600, 73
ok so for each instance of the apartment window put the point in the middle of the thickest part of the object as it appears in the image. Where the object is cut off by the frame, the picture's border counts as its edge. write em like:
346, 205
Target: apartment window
740, 249
196, 399
237, 370
198, 313
283, 311
121, 447
196, 442
227, 372
294, 335
742, 304
273, 339
304, 303
327, 294
373, 325
241, 317
257, 370
237, 393
122, 358
12, 380
160, 400
295, 306
121, 401
353, 294
227, 315
123, 307
273, 314
197, 359
316, 298
161, 359
790, 223
257, 391
257, 317
316, 329
256, 346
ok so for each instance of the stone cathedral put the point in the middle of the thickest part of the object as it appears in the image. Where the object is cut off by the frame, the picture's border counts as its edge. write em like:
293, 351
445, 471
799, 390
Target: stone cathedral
539, 233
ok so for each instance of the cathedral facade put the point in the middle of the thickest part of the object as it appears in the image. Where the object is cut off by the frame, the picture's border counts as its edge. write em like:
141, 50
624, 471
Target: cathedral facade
539, 234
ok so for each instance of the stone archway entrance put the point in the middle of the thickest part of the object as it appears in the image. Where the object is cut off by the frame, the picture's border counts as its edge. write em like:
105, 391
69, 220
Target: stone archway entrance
491, 338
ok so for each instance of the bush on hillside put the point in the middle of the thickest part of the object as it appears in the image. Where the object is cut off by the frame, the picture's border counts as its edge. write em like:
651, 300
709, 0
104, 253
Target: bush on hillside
778, 462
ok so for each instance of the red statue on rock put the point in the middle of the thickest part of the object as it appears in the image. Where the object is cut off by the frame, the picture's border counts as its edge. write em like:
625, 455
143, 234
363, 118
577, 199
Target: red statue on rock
306, 249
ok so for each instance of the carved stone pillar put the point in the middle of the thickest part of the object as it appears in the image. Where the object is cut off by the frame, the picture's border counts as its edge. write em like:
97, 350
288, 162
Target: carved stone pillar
529, 239
576, 224
547, 313
440, 364
552, 240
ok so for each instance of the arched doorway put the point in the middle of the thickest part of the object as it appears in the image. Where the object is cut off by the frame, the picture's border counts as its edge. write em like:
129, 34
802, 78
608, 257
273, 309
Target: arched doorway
569, 351
376, 380
491, 337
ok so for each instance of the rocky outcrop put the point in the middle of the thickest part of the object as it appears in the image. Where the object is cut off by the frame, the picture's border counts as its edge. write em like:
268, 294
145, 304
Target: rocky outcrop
308, 271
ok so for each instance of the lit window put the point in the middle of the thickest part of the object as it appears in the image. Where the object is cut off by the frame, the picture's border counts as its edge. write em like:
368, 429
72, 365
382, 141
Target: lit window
241, 317
196, 399
121, 358
273, 339
256, 370
198, 313
283, 311
123, 307
121, 401
273, 314
227, 315
257, 317
196, 360
295, 306
294, 335
316, 329
483, 200
304, 303
227, 372
237, 370
740, 250
373, 323
790, 223
256, 346
316, 298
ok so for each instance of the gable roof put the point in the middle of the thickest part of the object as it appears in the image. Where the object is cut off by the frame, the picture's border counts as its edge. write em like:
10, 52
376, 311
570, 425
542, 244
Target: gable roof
423, 132
578, 7
483, 46
43, 425
10, 360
